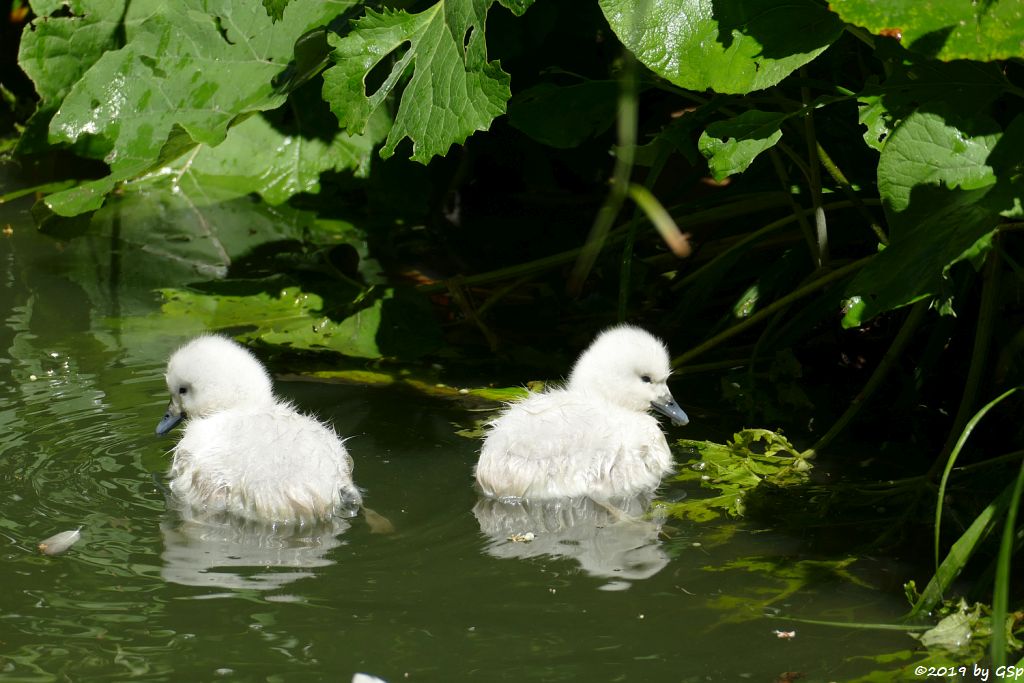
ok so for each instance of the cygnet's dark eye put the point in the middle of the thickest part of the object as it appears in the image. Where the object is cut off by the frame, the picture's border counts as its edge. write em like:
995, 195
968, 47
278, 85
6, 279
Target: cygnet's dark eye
182, 390
646, 379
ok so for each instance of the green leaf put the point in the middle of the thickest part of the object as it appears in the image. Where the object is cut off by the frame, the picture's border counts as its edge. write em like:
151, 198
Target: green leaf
916, 263
873, 115
55, 51
453, 90
565, 117
935, 148
734, 469
279, 159
186, 74
517, 7
943, 29
730, 46
962, 87
731, 146
945, 179
275, 8
961, 552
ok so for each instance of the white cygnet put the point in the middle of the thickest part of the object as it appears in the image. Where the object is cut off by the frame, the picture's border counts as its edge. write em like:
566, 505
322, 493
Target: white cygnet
244, 452
593, 437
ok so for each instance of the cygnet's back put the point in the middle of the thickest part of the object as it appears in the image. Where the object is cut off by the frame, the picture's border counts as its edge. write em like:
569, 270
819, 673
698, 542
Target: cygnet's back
244, 452
594, 437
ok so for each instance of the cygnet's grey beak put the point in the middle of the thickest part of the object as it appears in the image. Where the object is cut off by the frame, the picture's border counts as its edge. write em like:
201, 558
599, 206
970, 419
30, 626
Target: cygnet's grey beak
667, 406
173, 416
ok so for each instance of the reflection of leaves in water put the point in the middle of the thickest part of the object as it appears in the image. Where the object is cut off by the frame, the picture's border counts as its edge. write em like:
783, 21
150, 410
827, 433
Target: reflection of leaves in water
734, 469
787, 577
293, 318
149, 239
232, 249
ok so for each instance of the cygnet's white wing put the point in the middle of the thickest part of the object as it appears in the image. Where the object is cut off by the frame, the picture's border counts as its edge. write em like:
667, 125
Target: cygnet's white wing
270, 464
566, 444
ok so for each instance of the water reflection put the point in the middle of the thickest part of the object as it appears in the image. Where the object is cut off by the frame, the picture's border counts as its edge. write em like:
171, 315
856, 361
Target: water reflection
608, 541
233, 554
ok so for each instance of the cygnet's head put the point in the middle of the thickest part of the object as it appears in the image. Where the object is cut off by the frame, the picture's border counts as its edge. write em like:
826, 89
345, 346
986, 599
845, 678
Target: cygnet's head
630, 367
210, 374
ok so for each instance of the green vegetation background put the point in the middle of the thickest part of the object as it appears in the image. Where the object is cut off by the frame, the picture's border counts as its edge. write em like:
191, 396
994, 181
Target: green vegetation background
818, 207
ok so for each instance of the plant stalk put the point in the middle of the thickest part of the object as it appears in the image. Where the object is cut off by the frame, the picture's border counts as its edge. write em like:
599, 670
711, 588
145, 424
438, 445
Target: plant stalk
979, 354
798, 211
895, 350
844, 184
770, 309
627, 125
821, 227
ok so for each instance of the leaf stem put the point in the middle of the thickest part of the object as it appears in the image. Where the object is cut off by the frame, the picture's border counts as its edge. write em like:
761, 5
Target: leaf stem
754, 236
746, 205
768, 310
627, 125
626, 269
821, 227
844, 184
884, 366
661, 219
46, 188
798, 211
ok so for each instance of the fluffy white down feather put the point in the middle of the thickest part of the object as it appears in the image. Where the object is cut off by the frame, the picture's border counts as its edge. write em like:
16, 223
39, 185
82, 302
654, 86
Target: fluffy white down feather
244, 452
593, 437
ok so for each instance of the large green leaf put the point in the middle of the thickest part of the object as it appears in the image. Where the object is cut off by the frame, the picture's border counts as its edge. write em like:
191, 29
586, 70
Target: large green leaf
187, 72
935, 148
731, 46
916, 263
946, 29
278, 159
55, 51
453, 90
731, 146
963, 87
945, 180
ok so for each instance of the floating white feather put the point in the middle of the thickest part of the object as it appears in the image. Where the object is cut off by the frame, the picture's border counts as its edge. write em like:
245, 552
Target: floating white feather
58, 543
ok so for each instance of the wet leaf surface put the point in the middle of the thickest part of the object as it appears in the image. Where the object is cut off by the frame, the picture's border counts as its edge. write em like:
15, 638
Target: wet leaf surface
727, 46
943, 29
453, 90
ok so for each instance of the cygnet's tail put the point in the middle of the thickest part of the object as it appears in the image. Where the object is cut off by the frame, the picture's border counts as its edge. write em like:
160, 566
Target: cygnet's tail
378, 523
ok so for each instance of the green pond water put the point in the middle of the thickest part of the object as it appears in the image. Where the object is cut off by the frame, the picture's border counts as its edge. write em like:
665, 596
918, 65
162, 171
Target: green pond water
141, 597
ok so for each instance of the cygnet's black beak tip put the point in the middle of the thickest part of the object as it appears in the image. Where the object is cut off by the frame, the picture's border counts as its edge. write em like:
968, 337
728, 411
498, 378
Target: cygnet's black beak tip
168, 423
670, 409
